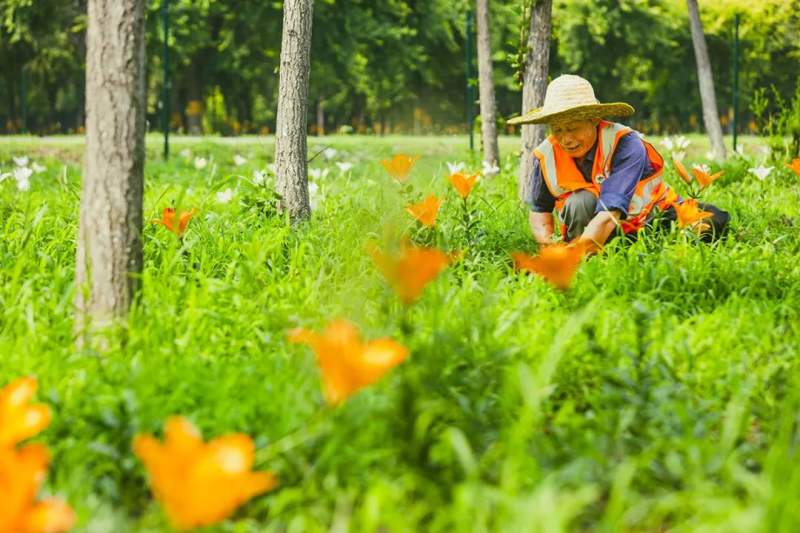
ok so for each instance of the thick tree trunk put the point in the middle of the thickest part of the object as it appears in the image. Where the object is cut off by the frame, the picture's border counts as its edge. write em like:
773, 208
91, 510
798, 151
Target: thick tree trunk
290, 137
109, 256
706, 81
491, 153
534, 87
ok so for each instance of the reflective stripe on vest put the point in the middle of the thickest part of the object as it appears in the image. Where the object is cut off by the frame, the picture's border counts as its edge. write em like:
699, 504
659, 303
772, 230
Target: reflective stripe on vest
562, 176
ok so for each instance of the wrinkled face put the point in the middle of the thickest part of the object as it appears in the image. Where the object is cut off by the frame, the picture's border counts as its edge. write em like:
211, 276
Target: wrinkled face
576, 137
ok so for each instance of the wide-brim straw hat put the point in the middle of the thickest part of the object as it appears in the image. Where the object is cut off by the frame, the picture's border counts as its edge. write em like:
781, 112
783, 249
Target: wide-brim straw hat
571, 97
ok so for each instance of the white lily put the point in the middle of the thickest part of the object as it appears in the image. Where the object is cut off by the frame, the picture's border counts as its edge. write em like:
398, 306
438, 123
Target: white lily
490, 169
318, 173
703, 168
225, 196
682, 143
344, 166
455, 167
313, 195
667, 143
239, 160
679, 155
21, 161
186, 153
760, 172
37, 168
23, 177
259, 177
200, 163
329, 153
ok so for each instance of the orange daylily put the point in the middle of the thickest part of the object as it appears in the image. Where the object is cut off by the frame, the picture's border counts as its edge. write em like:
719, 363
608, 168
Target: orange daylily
688, 213
168, 220
425, 211
794, 165
21, 474
412, 271
556, 263
682, 172
347, 363
19, 419
200, 483
399, 166
463, 183
703, 178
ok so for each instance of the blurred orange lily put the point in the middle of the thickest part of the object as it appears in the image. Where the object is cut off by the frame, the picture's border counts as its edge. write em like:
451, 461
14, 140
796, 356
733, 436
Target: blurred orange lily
682, 172
21, 474
703, 178
463, 183
200, 483
18, 419
425, 211
409, 273
168, 220
794, 165
347, 363
556, 263
688, 213
399, 166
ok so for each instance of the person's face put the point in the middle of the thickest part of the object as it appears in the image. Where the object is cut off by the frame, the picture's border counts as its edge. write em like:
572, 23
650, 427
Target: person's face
576, 137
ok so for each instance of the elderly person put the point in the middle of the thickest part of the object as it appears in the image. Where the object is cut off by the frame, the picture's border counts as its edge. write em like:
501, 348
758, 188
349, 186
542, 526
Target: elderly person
600, 177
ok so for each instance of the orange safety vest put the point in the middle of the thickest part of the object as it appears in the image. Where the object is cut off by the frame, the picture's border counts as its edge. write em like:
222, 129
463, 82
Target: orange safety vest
562, 176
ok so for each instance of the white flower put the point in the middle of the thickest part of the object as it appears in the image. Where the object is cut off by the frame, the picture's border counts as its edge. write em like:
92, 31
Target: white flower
225, 196
37, 168
329, 153
21, 161
344, 167
259, 177
318, 173
703, 168
455, 167
761, 172
200, 163
186, 153
678, 155
239, 160
23, 175
313, 195
682, 143
490, 169
667, 143
271, 167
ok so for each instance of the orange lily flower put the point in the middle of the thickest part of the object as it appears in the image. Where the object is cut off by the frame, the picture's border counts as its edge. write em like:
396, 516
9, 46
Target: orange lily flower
168, 220
425, 211
705, 179
347, 363
463, 183
18, 419
412, 271
682, 172
399, 166
21, 474
688, 213
200, 483
556, 263
794, 165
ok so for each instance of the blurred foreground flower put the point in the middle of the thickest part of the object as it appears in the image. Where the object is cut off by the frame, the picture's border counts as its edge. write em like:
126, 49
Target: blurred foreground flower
225, 196
259, 177
168, 220
556, 263
399, 166
239, 160
688, 213
21, 475
703, 177
794, 165
463, 183
425, 211
409, 273
760, 172
23, 177
19, 420
200, 483
347, 363
21, 161
200, 163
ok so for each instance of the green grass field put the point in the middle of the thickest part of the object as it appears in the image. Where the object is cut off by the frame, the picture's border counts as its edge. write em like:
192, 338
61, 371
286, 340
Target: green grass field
659, 393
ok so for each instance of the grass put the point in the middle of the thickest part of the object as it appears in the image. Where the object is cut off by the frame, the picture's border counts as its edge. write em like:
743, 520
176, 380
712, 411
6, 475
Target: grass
660, 392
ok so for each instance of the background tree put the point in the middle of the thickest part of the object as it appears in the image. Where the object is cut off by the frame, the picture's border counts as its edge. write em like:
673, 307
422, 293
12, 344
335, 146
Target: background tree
109, 253
537, 59
290, 143
491, 154
705, 79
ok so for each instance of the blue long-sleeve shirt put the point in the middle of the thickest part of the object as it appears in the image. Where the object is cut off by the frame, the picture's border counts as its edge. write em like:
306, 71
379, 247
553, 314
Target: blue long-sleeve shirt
629, 165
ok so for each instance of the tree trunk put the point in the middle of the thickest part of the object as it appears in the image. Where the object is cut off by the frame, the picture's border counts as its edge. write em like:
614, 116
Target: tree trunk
534, 87
491, 153
706, 81
109, 256
291, 124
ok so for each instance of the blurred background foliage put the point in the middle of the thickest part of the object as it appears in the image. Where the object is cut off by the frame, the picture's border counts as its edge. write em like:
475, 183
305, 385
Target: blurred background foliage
395, 65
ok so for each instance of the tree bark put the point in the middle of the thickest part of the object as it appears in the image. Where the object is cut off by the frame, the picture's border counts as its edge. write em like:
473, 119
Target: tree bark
534, 86
109, 255
706, 81
291, 124
491, 153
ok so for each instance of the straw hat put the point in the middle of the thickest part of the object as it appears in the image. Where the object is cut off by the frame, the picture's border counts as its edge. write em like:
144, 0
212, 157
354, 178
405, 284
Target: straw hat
570, 97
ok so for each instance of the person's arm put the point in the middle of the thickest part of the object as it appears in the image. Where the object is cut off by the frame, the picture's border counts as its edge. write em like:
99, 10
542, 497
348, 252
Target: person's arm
541, 227
541, 203
599, 229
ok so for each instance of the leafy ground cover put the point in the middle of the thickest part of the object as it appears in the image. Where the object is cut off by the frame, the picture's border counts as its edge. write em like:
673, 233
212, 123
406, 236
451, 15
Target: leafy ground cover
659, 392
